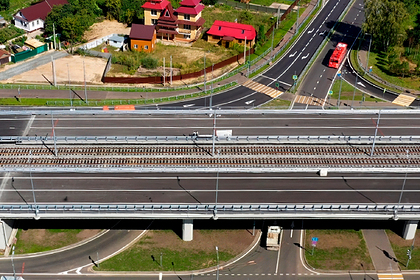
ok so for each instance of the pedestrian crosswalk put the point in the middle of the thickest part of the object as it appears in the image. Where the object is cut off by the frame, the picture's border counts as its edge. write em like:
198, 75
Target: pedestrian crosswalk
390, 276
404, 100
262, 88
310, 100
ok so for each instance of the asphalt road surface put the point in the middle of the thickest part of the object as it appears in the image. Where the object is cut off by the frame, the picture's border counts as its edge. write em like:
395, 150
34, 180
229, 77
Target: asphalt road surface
316, 124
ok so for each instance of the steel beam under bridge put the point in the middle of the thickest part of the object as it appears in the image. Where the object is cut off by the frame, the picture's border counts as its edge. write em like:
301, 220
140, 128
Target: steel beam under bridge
211, 211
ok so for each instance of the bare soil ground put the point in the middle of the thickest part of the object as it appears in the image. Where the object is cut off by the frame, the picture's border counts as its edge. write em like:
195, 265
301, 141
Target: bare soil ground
70, 65
106, 27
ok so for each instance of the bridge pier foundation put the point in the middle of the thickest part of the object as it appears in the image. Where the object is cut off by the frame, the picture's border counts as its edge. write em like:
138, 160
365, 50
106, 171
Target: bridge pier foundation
410, 228
187, 229
6, 229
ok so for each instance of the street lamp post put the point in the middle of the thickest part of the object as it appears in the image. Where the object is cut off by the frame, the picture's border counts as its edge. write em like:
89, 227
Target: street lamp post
32, 184
13, 264
217, 254
354, 91
376, 132
367, 62
410, 251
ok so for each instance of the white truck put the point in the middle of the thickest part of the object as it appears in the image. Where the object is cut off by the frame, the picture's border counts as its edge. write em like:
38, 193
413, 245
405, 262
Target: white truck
273, 238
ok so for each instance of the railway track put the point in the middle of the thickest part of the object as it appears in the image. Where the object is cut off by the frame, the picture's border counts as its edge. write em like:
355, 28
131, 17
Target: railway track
227, 156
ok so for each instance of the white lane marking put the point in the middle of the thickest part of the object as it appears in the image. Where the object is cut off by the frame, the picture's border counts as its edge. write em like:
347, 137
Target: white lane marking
292, 55
305, 57
78, 270
188, 105
264, 76
278, 254
284, 83
359, 83
309, 32
320, 76
4, 182
28, 126
249, 102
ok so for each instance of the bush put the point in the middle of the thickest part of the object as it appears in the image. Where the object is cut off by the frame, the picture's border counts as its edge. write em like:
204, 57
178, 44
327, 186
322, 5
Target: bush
10, 32
149, 62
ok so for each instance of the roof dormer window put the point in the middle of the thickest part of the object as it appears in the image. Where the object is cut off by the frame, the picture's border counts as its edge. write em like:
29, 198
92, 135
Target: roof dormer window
167, 13
220, 28
243, 31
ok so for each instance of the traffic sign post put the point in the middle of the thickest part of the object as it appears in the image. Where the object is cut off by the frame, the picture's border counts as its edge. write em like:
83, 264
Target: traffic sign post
314, 241
341, 83
295, 77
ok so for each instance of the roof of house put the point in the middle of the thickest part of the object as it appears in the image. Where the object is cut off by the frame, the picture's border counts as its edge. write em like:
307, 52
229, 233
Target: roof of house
142, 32
41, 10
231, 29
34, 43
168, 15
191, 3
155, 5
4, 53
116, 38
190, 10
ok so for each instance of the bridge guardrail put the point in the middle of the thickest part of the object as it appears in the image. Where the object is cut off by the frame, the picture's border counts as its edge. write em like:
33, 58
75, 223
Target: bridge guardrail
205, 211
208, 140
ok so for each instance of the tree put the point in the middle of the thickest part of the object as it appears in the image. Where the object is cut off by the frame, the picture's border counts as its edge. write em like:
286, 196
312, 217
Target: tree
113, 9
386, 21
4, 4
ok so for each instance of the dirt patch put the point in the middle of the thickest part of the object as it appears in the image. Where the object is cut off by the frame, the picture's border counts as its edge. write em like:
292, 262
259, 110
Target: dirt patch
104, 28
333, 240
70, 65
401, 242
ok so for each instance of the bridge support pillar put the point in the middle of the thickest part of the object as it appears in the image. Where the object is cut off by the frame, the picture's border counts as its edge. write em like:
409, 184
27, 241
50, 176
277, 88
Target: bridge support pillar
6, 230
410, 228
187, 230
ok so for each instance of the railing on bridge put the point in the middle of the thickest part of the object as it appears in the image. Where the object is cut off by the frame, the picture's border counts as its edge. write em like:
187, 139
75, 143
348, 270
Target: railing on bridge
205, 211
208, 140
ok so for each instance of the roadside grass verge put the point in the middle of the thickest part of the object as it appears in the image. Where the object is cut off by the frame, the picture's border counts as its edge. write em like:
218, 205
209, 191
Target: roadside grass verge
337, 250
41, 240
178, 255
400, 247
347, 92
276, 104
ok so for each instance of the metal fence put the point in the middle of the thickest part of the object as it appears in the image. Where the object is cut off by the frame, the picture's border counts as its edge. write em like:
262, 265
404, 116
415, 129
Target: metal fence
206, 211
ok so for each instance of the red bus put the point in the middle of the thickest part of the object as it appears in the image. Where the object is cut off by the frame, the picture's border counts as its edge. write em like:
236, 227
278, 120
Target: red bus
338, 55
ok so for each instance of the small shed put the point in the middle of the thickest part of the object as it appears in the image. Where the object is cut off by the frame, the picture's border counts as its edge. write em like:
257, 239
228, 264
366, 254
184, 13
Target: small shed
4, 57
3, 23
116, 41
36, 45
142, 37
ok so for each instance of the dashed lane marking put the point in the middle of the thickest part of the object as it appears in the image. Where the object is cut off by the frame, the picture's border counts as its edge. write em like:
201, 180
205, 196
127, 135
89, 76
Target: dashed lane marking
404, 100
262, 88
309, 100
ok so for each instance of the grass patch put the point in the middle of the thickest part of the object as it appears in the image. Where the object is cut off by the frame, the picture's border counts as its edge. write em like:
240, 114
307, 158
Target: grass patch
379, 63
178, 255
276, 104
337, 250
41, 240
400, 247
269, 2
15, 5
347, 92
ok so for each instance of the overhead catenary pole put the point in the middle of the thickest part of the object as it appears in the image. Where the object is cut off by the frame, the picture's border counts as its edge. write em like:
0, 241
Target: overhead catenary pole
204, 72
376, 132
402, 189
84, 77
214, 133
53, 130
32, 183
68, 72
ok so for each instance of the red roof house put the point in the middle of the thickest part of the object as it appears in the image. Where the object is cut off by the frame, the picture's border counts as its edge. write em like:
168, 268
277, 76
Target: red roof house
153, 10
190, 22
225, 33
167, 23
33, 17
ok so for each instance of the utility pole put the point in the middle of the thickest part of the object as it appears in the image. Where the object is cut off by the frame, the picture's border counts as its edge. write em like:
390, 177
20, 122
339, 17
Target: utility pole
171, 68
367, 62
245, 51
278, 16
164, 72
32, 184
272, 44
54, 37
297, 20
53, 70
354, 91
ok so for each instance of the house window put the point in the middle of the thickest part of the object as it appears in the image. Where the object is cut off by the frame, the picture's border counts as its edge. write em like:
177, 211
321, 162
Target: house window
153, 12
187, 36
167, 13
136, 47
220, 28
33, 23
240, 41
187, 17
146, 47
37, 22
154, 21
187, 26
243, 31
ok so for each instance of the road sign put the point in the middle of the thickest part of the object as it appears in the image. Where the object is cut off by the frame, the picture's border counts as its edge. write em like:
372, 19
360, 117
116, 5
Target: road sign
370, 69
294, 77
330, 92
339, 74
315, 239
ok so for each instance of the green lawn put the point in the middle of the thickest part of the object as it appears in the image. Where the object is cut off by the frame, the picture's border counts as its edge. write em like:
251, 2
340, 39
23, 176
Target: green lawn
337, 250
269, 2
347, 91
15, 5
276, 104
41, 240
400, 247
